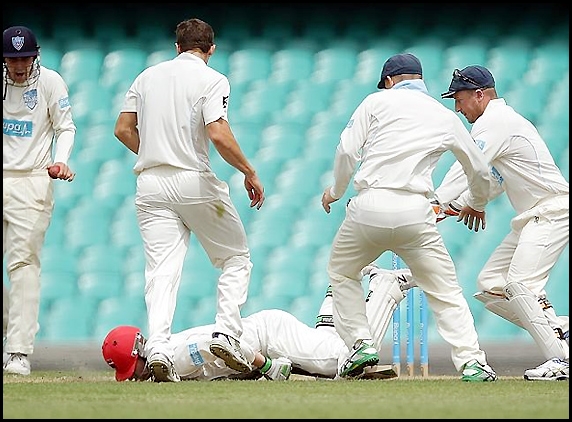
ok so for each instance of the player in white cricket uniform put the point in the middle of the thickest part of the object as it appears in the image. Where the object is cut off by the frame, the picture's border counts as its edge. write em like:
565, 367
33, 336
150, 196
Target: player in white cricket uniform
37, 116
273, 340
170, 113
512, 282
398, 135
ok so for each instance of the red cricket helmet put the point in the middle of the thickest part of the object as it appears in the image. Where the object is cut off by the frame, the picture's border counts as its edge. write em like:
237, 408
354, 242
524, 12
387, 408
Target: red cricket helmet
121, 348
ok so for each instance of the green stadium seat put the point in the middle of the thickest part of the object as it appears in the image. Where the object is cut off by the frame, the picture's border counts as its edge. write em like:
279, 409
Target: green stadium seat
159, 56
121, 66
220, 59
264, 98
284, 141
125, 232
67, 195
292, 64
466, 51
50, 56
66, 29
100, 285
431, 52
88, 99
198, 280
134, 262
81, 65
278, 27
69, 320
273, 300
57, 284
529, 98
114, 182
318, 28
550, 60
349, 94
299, 180
56, 259
200, 313
285, 284
310, 96
370, 60
558, 286
305, 308
508, 61
87, 224
335, 63
249, 64
100, 258
116, 311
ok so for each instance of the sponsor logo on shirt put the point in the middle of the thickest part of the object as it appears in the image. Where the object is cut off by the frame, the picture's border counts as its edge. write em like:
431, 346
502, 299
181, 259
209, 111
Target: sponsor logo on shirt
225, 102
350, 123
31, 98
195, 354
64, 102
19, 128
496, 175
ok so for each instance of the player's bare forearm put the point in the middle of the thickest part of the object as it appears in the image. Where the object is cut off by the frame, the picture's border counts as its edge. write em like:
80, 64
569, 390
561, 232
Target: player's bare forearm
126, 131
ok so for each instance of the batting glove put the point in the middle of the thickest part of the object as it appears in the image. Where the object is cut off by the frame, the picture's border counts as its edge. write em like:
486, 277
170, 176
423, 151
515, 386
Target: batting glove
277, 369
451, 209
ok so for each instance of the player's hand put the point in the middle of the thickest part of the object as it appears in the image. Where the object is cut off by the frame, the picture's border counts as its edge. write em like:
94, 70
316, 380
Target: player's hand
327, 200
61, 171
472, 218
255, 190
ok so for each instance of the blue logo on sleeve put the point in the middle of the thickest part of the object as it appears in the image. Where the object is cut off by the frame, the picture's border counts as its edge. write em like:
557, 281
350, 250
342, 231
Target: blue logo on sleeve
195, 355
64, 102
23, 129
496, 175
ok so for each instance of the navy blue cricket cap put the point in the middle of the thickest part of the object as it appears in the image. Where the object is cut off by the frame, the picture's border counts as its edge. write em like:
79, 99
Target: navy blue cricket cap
400, 64
471, 77
20, 41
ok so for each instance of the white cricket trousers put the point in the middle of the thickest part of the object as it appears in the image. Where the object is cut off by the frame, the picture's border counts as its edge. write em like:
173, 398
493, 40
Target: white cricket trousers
318, 351
27, 210
380, 220
531, 249
171, 204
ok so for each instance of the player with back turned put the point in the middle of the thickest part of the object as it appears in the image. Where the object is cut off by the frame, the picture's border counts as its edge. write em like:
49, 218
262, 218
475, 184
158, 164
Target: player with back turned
398, 134
37, 115
171, 113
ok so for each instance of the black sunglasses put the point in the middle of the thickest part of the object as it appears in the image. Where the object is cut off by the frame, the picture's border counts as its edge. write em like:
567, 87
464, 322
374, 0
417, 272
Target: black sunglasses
458, 75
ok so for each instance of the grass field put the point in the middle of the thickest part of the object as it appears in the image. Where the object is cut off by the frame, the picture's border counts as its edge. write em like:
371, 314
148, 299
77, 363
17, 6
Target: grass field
79, 395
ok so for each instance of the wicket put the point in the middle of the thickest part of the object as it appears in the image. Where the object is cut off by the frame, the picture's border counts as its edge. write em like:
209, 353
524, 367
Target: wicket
397, 263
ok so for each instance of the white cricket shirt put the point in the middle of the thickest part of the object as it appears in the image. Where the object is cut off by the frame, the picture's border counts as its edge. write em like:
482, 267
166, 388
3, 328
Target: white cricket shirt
521, 161
35, 116
174, 101
399, 134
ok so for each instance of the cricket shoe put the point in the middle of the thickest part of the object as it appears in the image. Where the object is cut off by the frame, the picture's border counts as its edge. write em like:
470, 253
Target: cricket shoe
363, 354
228, 349
162, 369
277, 369
17, 364
554, 369
473, 371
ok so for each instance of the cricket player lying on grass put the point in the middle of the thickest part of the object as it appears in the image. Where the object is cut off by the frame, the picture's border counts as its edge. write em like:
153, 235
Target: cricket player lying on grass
274, 341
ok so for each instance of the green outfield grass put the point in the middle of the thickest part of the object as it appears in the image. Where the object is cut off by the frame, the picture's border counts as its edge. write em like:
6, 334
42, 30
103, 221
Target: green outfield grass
57, 395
